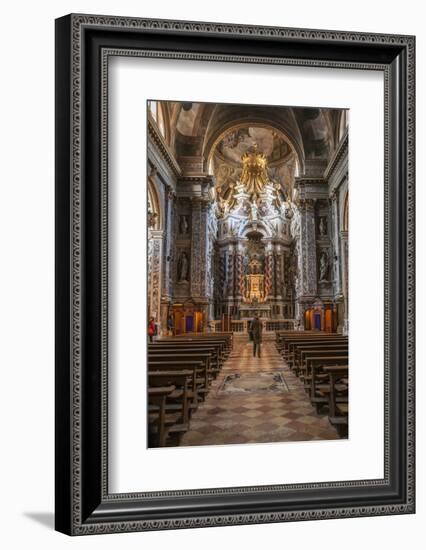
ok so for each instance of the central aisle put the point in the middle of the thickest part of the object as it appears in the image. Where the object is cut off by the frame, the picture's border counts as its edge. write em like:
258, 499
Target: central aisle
283, 414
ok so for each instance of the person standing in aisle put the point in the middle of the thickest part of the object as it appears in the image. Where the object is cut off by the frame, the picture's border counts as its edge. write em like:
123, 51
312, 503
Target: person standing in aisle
256, 331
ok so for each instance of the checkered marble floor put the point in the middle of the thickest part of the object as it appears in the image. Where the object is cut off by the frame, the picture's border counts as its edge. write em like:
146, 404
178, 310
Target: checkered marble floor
255, 417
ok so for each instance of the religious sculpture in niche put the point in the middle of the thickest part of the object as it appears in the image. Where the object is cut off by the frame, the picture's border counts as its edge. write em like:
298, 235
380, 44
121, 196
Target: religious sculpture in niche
323, 267
255, 266
322, 226
183, 268
287, 210
152, 219
183, 225
253, 211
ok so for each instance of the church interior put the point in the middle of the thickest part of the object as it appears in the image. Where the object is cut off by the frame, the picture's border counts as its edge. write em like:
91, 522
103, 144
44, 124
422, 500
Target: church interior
247, 292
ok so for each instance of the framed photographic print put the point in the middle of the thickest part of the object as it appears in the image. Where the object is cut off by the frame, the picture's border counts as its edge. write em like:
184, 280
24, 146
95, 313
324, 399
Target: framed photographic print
234, 274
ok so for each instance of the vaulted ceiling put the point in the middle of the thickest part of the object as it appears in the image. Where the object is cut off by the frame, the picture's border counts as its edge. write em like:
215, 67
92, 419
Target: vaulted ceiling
217, 135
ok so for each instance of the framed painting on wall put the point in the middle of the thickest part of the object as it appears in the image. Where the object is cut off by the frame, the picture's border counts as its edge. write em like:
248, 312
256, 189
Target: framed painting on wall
234, 274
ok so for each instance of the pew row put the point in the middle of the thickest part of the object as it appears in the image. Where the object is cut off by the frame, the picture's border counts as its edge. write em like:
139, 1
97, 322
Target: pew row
188, 364
320, 360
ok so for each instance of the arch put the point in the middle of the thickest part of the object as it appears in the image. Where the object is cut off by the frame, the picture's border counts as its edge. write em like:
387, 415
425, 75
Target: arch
165, 116
154, 206
329, 122
212, 140
187, 118
160, 113
204, 115
343, 124
345, 213
174, 112
254, 225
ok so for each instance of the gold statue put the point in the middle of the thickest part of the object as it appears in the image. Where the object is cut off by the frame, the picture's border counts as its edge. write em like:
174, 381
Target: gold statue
254, 189
254, 175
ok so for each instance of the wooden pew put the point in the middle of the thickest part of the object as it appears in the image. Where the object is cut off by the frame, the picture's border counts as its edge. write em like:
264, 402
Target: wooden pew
216, 359
315, 366
157, 413
220, 346
321, 360
197, 364
280, 335
337, 393
289, 343
182, 354
216, 356
302, 352
289, 355
225, 339
176, 423
282, 339
174, 355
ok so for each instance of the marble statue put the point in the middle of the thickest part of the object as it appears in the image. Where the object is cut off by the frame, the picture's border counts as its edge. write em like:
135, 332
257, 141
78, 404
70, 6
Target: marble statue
323, 266
152, 219
322, 226
184, 225
183, 268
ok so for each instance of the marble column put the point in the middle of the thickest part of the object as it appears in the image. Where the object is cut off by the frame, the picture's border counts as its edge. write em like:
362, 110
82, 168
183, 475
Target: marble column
199, 248
269, 270
230, 271
308, 264
336, 247
155, 247
240, 274
278, 272
196, 257
223, 275
299, 315
169, 245
345, 272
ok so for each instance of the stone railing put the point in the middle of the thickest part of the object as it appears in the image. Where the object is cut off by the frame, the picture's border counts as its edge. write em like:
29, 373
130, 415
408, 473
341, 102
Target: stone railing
273, 325
241, 326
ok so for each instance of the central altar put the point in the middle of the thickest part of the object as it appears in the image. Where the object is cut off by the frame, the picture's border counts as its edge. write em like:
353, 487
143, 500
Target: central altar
254, 288
254, 282
253, 247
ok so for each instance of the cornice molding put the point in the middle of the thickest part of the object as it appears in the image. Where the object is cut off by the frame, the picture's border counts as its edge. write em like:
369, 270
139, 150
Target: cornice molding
163, 148
302, 180
197, 178
341, 151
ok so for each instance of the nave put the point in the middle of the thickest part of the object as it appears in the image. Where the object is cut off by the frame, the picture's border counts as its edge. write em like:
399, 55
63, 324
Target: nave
285, 395
257, 416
